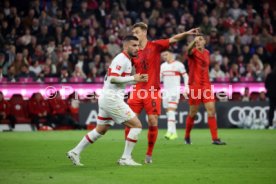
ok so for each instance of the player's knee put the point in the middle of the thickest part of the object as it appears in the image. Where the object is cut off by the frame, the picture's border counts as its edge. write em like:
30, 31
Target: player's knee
153, 120
101, 131
134, 132
211, 112
192, 113
138, 124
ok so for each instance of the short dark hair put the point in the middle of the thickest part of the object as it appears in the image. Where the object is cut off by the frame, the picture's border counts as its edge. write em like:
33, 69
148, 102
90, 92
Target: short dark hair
141, 25
129, 38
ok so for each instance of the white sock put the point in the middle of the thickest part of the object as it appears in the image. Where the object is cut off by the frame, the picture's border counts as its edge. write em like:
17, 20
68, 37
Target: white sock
171, 122
88, 139
131, 141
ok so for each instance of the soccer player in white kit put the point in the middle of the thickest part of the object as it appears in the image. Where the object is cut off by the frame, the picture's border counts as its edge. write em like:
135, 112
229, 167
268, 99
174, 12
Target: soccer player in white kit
170, 73
112, 107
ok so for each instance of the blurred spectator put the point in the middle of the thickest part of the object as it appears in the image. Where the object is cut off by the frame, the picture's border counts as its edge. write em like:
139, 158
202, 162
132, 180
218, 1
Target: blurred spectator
64, 75
1, 73
216, 57
262, 96
234, 72
59, 112
39, 111
112, 46
62, 30
257, 65
216, 72
246, 38
246, 95
249, 73
206, 27
35, 67
78, 72
67, 48
5, 113
225, 66
26, 38
25, 72
235, 12
12, 77
246, 54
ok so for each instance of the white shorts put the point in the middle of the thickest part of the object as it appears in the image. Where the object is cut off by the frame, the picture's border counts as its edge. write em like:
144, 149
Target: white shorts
112, 111
170, 101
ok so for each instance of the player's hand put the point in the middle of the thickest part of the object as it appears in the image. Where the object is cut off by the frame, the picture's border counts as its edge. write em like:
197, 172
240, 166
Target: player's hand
186, 91
141, 77
195, 32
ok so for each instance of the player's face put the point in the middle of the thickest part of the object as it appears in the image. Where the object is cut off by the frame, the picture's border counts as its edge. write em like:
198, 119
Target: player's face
200, 42
132, 48
139, 33
167, 56
164, 56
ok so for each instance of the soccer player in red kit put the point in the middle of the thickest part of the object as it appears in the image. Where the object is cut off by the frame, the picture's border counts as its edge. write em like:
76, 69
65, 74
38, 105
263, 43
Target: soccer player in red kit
147, 95
200, 88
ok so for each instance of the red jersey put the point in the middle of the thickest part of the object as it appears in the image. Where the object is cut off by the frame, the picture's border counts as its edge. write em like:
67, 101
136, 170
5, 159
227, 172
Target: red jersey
198, 63
58, 106
148, 62
4, 107
36, 107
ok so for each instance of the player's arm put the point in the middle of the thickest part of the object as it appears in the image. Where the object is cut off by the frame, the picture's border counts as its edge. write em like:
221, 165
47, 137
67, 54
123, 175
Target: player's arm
190, 47
181, 36
185, 78
161, 72
129, 79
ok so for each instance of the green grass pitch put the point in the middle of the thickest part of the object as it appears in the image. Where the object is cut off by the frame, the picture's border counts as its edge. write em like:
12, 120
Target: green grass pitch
39, 157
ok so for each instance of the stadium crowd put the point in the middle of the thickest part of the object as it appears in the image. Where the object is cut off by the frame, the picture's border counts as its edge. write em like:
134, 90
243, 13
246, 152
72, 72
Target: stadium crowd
66, 38
75, 41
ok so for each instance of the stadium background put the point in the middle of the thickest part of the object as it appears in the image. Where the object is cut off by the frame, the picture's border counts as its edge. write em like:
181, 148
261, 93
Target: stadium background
67, 45
47, 46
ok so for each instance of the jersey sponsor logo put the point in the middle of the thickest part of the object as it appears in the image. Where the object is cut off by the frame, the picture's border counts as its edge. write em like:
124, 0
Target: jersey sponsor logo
153, 103
118, 67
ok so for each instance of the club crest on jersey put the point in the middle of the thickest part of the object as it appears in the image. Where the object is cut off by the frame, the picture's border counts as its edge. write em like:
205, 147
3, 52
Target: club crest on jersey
118, 67
128, 113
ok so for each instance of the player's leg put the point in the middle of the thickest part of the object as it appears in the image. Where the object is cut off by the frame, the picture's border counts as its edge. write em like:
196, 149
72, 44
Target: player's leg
194, 102
171, 124
89, 138
193, 109
136, 105
171, 112
153, 109
103, 124
122, 114
212, 122
165, 101
172, 102
135, 127
152, 136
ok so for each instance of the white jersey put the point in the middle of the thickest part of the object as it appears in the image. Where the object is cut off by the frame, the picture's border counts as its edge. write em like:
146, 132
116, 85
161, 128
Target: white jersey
171, 75
120, 66
112, 107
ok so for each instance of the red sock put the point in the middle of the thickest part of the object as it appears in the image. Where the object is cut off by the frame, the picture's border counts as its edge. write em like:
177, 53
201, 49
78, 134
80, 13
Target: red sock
189, 126
212, 122
127, 129
152, 136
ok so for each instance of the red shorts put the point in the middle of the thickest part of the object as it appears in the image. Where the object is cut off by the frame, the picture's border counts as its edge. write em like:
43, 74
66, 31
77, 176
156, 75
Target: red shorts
202, 94
150, 101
